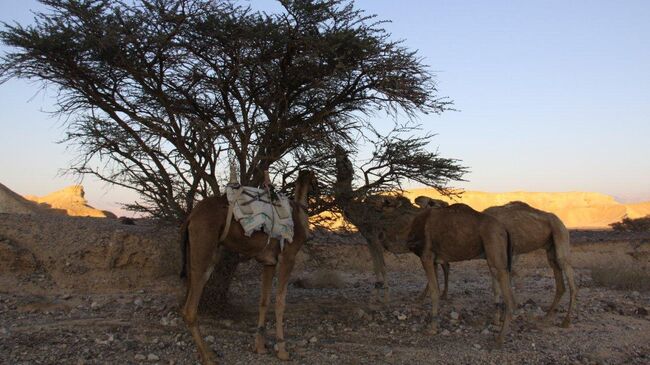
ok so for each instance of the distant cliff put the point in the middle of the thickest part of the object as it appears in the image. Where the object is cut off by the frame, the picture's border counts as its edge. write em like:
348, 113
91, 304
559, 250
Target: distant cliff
69, 201
576, 209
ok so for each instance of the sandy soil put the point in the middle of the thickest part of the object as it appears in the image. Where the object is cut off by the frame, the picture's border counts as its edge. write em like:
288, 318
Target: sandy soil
124, 309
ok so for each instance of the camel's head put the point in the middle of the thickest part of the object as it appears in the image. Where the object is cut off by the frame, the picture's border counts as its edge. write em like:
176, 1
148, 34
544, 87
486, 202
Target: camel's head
307, 178
426, 202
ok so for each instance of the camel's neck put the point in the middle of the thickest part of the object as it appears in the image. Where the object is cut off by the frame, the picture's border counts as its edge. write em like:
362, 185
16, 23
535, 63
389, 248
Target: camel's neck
300, 194
344, 176
300, 197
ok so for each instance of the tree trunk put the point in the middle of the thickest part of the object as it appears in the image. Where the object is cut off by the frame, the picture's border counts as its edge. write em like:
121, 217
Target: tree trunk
215, 294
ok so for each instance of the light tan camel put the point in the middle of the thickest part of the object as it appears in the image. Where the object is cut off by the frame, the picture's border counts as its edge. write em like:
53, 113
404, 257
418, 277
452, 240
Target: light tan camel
459, 233
532, 229
202, 232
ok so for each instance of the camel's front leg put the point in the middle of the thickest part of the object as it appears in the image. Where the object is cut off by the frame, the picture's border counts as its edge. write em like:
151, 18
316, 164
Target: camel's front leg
267, 283
286, 265
430, 270
379, 267
425, 293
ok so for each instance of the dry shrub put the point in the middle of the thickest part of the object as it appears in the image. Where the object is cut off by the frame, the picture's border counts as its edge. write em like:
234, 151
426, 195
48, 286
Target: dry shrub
632, 225
622, 276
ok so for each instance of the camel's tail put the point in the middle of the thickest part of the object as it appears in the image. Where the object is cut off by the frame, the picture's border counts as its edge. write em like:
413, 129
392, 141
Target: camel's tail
510, 251
184, 247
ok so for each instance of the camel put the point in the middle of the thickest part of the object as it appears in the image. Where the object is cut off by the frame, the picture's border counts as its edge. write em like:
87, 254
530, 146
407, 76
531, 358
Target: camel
459, 233
370, 215
532, 229
204, 242
427, 202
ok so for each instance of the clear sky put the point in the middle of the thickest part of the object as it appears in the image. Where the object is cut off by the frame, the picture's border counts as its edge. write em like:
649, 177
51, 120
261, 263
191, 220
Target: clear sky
552, 96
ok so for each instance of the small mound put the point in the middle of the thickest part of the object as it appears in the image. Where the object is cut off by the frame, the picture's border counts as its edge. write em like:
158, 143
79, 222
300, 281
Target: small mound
321, 279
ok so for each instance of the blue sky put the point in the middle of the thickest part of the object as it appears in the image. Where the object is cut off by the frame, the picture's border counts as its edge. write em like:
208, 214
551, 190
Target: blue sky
552, 96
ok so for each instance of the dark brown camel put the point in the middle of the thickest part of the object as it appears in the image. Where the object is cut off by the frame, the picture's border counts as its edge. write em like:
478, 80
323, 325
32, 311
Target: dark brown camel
202, 232
459, 233
383, 220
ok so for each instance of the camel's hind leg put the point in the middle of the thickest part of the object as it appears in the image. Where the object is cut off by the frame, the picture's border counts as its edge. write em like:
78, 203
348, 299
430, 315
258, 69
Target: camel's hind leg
514, 279
430, 270
565, 267
202, 258
573, 290
267, 283
498, 306
559, 282
502, 277
286, 266
497, 255
561, 249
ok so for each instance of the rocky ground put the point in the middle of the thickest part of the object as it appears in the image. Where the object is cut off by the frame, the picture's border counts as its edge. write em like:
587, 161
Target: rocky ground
332, 316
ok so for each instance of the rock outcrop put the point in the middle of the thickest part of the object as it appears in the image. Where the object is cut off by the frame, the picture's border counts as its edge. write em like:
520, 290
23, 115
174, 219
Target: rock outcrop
68, 201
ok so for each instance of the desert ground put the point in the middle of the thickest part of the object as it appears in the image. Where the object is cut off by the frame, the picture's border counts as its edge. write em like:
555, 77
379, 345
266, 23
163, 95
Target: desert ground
94, 291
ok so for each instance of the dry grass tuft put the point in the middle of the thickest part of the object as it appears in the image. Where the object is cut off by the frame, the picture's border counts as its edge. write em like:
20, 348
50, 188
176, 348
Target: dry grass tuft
622, 276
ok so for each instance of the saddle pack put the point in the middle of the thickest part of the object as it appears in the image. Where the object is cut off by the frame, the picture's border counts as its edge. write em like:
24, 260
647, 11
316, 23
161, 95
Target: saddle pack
261, 210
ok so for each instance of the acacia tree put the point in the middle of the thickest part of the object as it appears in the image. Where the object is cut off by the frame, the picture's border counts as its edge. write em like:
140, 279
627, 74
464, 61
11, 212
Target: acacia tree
158, 94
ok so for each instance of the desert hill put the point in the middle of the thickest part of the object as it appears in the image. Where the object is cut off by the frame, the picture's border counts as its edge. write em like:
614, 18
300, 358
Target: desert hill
13, 203
69, 201
576, 209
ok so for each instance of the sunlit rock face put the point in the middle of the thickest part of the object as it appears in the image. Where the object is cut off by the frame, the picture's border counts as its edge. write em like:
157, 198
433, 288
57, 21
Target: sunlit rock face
70, 201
